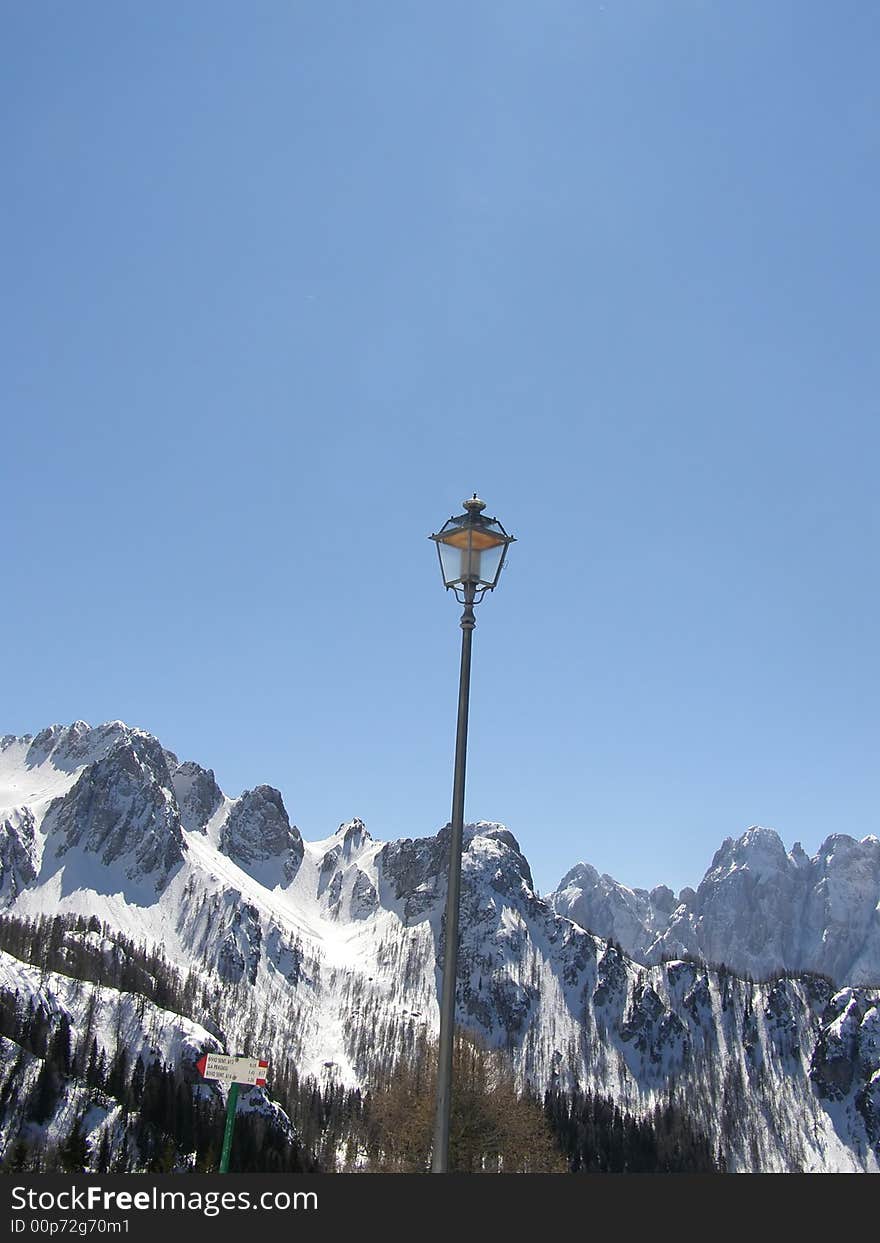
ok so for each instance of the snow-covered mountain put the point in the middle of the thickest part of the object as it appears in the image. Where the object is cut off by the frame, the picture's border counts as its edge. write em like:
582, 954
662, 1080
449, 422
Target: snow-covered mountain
329, 953
758, 909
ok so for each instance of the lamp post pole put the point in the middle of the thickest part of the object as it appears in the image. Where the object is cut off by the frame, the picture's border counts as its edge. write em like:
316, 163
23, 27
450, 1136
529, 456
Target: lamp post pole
440, 1153
472, 549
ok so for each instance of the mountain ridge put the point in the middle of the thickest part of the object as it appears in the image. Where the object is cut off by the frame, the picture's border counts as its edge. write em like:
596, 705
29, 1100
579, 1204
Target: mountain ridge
759, 908
337, 965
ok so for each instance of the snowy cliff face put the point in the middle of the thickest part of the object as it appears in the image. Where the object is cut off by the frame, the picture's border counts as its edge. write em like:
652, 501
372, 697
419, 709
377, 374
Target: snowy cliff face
634, 917
259, 837
91, 803
197, 793
330, 952
19, 855
121, 812
344, 890
758, 909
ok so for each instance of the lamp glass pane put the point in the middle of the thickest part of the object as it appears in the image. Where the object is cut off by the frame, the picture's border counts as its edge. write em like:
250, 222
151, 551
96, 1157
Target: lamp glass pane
459, 563
491, 563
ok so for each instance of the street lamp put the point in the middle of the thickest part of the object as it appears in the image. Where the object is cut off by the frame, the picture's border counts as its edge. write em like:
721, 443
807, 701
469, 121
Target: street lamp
472, 549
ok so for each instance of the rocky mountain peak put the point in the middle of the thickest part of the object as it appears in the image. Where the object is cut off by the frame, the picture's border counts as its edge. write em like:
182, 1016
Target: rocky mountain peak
68, 747
843, 846
663, 899
414, 870
493, 832
197, 792
582, 875
799, 856
259, 837
352, 836
121, 807
759, 850
604, 906
491, 846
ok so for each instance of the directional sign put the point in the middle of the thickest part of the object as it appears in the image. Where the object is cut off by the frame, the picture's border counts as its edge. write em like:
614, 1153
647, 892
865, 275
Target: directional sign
233, 1069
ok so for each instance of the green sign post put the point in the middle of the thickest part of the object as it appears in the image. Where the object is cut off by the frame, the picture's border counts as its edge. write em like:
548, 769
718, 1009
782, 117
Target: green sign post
233, 1071
230, 1127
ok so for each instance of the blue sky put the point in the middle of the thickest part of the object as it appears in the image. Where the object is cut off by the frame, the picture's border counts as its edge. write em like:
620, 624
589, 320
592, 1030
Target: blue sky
284, 282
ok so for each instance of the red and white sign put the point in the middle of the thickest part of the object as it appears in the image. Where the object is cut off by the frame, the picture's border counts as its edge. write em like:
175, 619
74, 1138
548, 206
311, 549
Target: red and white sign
233, 1069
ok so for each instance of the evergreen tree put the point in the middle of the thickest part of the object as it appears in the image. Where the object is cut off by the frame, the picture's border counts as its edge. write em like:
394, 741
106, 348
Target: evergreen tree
18, 1158
75, 1152
102, 1163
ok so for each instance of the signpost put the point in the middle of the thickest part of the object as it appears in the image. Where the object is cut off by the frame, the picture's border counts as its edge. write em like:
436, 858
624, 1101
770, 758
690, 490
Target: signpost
232, 1071
231, 1106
